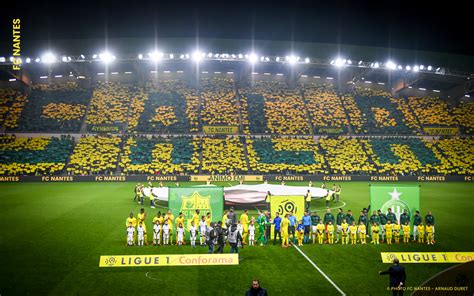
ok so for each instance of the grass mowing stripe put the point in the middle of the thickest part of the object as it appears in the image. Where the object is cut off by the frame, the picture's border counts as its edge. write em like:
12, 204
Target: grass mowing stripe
320, 271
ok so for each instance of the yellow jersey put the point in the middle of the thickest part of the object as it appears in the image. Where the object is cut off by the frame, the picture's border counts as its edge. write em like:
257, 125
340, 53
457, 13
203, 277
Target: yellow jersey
131, 220
208, 221
406, 229
421, 228
285, 222
396, 228
141, 217
308, 196
344, 227
223, 221
179, 221
353, 229
170, 220
375, 229
331, 228
196, 219
362, 228
160, 220
320, 228
244, 219
429, 229
388, 228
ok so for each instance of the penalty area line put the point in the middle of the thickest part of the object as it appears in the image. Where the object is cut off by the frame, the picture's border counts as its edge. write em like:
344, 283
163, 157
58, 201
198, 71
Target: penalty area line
320, 271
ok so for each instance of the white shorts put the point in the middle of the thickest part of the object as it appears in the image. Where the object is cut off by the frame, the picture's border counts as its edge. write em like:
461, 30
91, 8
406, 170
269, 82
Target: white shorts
141, 237
339, 228
313, 229
130, 237
251, 237
156, 235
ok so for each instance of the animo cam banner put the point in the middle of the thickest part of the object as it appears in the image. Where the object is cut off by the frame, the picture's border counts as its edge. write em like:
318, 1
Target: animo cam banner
189, 199
398, 198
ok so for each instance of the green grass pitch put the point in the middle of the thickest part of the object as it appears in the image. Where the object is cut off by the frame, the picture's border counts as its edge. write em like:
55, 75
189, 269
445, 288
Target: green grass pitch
52, 235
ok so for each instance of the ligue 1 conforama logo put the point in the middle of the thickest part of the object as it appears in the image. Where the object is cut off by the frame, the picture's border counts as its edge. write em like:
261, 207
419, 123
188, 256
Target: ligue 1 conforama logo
396, 204
111, 261
287, 206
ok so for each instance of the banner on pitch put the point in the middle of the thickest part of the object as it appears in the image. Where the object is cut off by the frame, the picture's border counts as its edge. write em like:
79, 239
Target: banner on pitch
168, 260
428, 257
398, 198
283, 204
207, 199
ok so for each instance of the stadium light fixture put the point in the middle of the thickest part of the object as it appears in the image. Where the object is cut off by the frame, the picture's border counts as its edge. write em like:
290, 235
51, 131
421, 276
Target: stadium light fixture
422, 67
155, 56
140, 56
171, 56
416, 68
360, 63
399, 67
390, 65
28, 60
198, 56
106, 57
82, 56
64, 59
292, 59
186, 56
376, 65
277, 59
339, 62
253, 58
349, 62
2, 59
430, 68
48, 58
94, 56
241, 56
408, 68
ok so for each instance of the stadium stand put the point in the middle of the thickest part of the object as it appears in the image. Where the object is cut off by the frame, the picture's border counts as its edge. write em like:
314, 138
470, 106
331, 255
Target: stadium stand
382, 113
464, 113
33, 156
11, 105
325, 109
219, 103
95, 155
110, 105
170, 107
456, 155
405, 156
346, 155
158, 155
432, 112
284, 109
284, 155
54, 108
223, 155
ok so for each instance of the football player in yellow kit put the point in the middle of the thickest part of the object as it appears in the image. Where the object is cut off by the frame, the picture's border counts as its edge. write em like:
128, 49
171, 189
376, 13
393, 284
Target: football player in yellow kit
421, 233
244, 220
330, 233
345, 232
362, 233
141, 218
389, 232
353, 232
406, 232
396, 231
320, 230
429, 234
375, 233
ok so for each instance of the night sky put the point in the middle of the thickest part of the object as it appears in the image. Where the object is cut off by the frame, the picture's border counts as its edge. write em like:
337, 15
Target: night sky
431, 26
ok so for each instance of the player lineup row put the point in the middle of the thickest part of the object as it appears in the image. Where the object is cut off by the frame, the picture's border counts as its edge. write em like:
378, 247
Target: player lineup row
310, 228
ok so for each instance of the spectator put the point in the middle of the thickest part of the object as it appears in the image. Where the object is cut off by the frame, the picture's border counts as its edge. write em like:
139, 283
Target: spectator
256, 290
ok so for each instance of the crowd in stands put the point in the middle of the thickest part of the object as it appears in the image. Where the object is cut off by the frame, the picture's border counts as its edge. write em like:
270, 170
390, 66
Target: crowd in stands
171, 106
324, 107
456, 155
111, 102
284, 155
95, 155
11, 105
464, 113
54, 108
218, 102
346, 155
158, 155
33, 156
223, 155
432, 111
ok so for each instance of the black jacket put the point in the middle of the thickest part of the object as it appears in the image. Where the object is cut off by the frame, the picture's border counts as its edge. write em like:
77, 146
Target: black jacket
397, 275
256, 292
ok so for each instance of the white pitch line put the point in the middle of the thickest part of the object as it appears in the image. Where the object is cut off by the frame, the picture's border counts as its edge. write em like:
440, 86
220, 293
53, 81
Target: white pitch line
320, 271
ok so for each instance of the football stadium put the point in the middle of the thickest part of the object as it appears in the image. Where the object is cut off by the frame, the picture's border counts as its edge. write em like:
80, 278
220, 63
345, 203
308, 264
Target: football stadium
234, 167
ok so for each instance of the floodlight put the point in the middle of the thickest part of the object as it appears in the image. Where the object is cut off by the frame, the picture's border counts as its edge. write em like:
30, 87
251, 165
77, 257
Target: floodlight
64, 59
408, 68
48, 58
292, 59
94, 56
106, 57
155, 56
28, 60
399, 67
430, 68
2, 60
307, 60
253, 58
390, 65
376, 65
339, 62
241, 56
140, 56
416, 68
422, 67
198, 56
